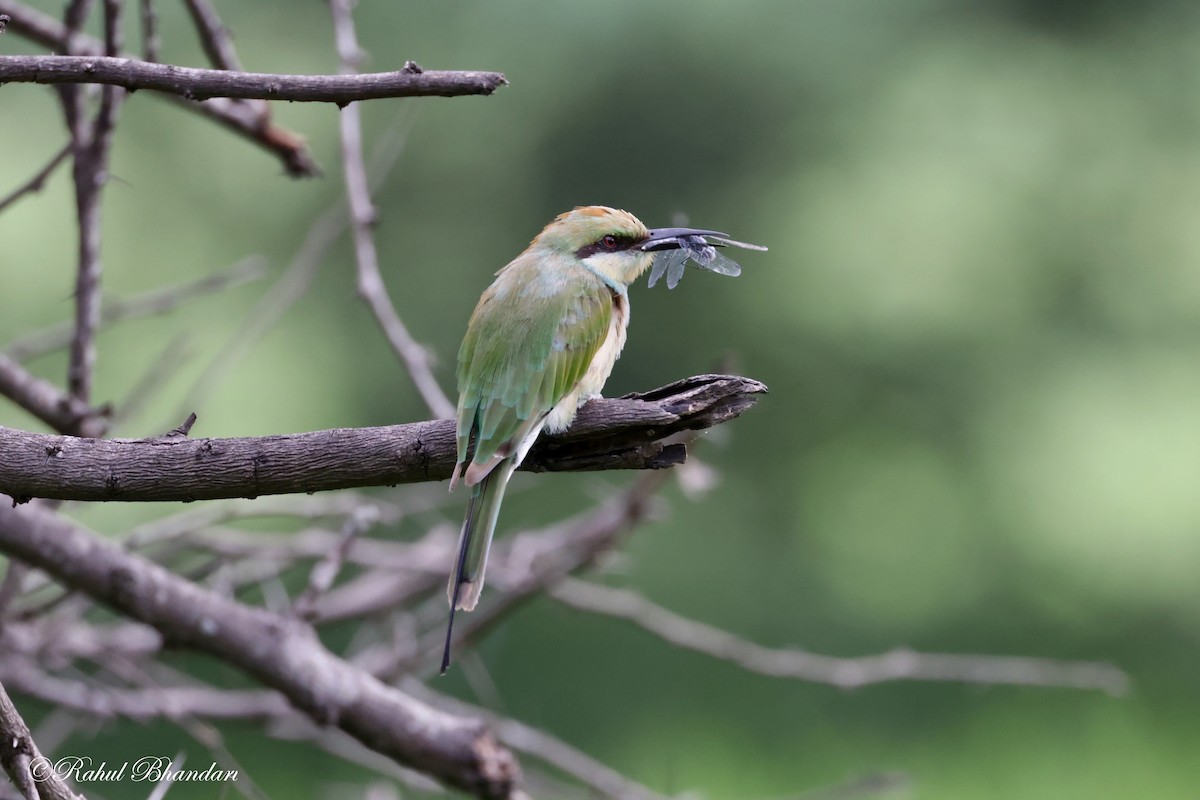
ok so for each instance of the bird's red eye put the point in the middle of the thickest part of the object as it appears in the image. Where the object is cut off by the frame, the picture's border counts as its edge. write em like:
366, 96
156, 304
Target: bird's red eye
609, 242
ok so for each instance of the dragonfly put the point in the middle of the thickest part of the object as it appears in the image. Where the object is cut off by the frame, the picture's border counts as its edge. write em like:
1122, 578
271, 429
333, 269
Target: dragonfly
701, 251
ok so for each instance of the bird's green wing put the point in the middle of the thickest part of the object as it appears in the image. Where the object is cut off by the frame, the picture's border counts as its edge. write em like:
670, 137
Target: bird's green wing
529, 342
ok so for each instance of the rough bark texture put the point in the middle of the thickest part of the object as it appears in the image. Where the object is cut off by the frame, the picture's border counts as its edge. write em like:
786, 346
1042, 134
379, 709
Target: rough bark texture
282, 652
624, 433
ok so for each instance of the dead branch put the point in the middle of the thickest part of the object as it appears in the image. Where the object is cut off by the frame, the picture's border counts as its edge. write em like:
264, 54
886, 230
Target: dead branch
91, 142
167, 702
155, 301
371, 288
214, 36
38, 181
25, 765
281, 652
624, 433
44, 400
532, 741
199, 84
297, 278
900, 664
244, 118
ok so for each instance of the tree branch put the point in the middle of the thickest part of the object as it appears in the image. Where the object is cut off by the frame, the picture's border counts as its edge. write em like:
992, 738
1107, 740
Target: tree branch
43, 400
623, 433
23, 762
900, 664
92, 144
214, 36
199, 84
154, 301
281, 652
38, 181
371, 288
245, 119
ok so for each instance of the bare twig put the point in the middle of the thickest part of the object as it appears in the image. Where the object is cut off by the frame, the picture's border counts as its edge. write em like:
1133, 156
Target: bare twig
845, 673
214, 36
295, 279
25, 765
38, 181
602, 436
544, 747
91, 143
362, 216
208, 515
194, 84
217, 42
279, 651
150, 41
167, 702
44, 400
170, 359
326, 570
874, 784
243, 118
529, 563
11, 587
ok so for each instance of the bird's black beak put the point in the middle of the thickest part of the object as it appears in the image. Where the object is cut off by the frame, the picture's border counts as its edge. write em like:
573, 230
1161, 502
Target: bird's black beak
668, 238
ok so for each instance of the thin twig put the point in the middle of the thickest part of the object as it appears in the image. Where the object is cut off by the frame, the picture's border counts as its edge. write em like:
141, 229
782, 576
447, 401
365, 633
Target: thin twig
288, 288
545, 747
152, 380
150, 41
296, 279
531, 562
214, 36
38, 181
12, 586
871, 785
155, 301
92, 143
194, 84
371, 288
240, 117
217, 42
164, 784
65, 414
208, 515
844, 673
88, 696
325, 572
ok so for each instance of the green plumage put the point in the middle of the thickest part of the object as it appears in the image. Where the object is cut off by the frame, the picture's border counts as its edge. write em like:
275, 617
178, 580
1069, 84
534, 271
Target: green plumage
529, 343
533, 335
542, 340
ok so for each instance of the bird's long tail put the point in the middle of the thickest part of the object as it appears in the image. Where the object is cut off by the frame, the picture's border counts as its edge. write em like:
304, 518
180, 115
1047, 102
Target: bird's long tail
466, 579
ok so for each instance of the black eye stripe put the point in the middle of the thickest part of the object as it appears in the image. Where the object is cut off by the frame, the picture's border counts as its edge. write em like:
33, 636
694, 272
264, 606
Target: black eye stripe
609, 243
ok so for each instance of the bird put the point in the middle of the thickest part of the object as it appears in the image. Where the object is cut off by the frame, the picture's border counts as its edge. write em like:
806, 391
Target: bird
541, 342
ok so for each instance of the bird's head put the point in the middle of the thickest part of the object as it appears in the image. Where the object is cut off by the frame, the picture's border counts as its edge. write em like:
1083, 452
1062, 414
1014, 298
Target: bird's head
610, 242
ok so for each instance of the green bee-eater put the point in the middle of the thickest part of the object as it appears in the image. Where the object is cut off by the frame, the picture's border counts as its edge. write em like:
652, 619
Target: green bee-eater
542, 341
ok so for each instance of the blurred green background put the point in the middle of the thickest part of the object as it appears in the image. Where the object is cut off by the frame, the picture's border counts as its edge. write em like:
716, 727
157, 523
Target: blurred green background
979, 320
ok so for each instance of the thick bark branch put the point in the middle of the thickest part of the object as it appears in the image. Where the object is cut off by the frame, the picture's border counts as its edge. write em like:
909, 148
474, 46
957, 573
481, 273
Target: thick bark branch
199, 84
281, 652
25, 765
624, 433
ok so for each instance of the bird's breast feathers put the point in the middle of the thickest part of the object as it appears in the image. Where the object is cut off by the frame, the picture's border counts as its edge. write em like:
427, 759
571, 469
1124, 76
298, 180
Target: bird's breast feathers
598, 370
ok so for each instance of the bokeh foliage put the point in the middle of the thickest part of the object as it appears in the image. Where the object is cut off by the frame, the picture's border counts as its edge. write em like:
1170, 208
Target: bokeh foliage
980, 320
